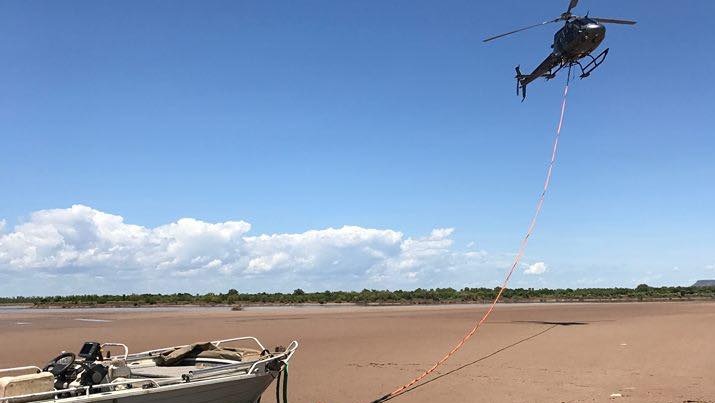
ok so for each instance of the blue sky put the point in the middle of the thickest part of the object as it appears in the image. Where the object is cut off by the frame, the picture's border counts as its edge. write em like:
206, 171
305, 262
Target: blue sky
300, 116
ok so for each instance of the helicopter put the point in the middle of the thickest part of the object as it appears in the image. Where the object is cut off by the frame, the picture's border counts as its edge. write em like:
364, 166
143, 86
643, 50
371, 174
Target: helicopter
576, 40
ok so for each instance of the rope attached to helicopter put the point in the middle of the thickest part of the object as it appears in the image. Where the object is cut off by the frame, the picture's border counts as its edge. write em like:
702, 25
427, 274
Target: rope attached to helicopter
517, 260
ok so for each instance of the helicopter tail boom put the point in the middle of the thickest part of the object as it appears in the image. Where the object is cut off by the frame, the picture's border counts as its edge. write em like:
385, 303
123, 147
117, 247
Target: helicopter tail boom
542, 70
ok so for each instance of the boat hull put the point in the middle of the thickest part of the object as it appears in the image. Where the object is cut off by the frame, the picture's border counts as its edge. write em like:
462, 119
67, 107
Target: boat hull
231, 389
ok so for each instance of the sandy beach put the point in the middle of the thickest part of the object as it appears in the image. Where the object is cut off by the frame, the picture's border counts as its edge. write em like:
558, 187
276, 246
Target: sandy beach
645, 352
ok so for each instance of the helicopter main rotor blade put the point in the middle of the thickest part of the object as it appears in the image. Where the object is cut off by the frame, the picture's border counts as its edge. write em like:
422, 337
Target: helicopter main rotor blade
521, 29
572, 4
612, 21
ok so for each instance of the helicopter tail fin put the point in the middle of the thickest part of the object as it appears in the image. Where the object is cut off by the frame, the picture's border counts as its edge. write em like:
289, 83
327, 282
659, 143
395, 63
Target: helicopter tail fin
521, 83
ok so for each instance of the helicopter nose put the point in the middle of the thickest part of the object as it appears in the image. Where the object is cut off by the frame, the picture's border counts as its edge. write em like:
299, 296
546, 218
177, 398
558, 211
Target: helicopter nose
596, 29
595, 32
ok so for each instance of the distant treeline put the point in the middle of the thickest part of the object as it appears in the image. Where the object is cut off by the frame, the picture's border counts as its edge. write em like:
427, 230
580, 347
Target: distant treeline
419, 296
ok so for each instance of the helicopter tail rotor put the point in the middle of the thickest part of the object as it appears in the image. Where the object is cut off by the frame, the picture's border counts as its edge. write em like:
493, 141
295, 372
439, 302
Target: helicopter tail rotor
520, 83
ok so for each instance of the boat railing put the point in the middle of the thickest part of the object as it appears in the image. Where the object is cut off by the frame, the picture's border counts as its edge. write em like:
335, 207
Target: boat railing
284, 356
149, 353
219, 342
126, 349
86, 390
7, 371
287, 354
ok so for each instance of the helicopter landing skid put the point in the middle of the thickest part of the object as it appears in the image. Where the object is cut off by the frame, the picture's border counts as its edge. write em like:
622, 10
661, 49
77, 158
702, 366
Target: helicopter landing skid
593, 64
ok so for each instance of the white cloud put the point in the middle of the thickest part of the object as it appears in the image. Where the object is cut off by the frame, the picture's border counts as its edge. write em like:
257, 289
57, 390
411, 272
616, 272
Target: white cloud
83, 238
80, 241
536, 268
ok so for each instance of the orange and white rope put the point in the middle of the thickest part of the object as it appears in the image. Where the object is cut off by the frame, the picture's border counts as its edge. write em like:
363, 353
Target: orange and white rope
517, 260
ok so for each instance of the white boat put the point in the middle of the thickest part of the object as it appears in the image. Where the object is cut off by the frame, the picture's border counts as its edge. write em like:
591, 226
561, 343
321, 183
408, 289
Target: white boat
195, 373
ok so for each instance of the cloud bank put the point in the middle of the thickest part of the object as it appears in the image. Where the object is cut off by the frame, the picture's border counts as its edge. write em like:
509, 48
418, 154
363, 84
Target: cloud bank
81, 249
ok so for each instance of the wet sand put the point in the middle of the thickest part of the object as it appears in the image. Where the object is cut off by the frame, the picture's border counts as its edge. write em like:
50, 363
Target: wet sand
647, 352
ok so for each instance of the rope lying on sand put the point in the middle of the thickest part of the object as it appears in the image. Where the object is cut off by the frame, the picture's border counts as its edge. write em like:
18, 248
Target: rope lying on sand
517, 260
283, 371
